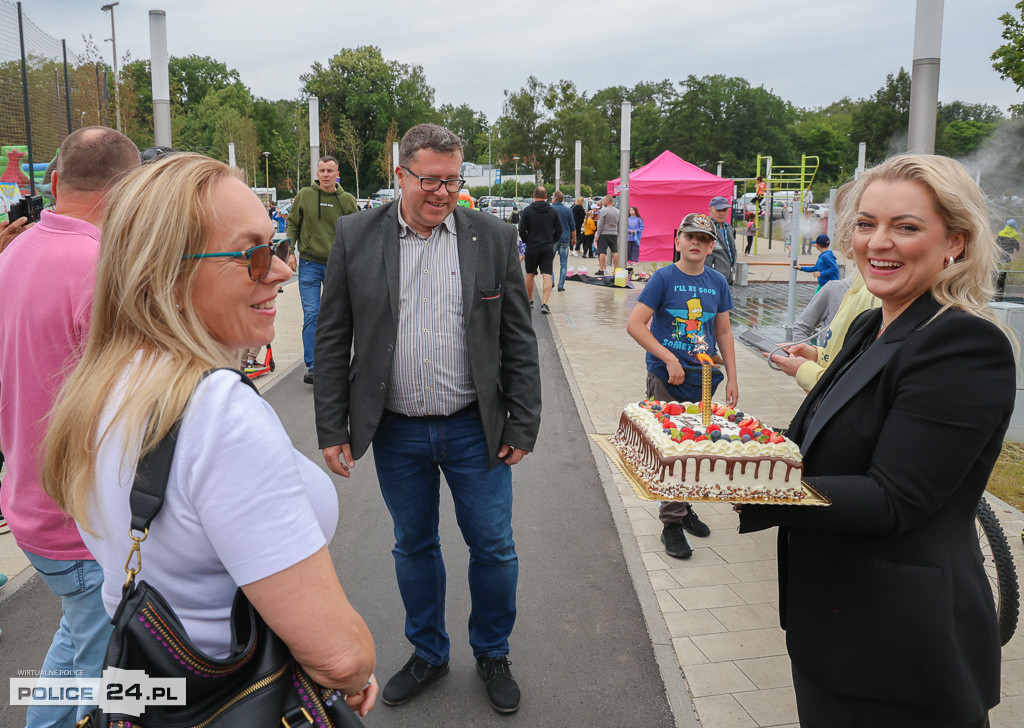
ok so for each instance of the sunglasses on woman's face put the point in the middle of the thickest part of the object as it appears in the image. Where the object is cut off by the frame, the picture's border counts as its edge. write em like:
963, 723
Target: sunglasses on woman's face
259, 258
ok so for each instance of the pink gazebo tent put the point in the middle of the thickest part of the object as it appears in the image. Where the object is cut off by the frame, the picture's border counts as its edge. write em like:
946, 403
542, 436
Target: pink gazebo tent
664, 190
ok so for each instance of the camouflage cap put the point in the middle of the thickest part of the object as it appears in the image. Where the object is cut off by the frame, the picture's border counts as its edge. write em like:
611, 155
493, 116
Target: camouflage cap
698, 222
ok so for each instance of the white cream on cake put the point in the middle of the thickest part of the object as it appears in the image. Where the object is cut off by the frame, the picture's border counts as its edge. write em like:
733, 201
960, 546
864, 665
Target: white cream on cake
678, 457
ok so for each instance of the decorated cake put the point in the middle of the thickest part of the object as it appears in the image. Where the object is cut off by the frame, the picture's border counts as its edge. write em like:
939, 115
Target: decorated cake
681, 452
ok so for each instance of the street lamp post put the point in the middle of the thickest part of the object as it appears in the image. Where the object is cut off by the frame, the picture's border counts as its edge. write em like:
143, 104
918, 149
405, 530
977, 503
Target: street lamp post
516, 160
266, 166
113, 42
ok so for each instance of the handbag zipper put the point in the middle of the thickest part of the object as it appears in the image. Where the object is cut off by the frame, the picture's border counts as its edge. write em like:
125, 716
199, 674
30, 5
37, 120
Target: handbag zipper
245, 693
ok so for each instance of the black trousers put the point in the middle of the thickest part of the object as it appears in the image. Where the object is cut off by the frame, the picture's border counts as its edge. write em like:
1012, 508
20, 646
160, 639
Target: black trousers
820, 708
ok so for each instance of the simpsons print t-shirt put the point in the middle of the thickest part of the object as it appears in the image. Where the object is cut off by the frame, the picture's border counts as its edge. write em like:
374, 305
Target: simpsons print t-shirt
684, 307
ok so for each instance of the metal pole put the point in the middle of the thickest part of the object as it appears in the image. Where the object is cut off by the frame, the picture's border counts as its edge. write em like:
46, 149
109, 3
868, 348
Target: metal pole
113, 43
719, 168
796, 245
624, 137
231, 154
579, 167
266, 169
160, 78
558, 174
862, 155
769, 200
490, 167
24, 96
924, 84
67, 86
314, 136
831, 229
394, 165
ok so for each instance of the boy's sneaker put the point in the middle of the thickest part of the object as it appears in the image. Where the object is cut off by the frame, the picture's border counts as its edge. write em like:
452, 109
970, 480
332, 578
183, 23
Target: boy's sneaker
694, 525
251, 367
3, 580
599, 273
4, 528
544, 308
674, 538
308, 377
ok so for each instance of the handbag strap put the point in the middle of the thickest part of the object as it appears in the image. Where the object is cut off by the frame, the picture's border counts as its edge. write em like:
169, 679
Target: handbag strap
154, 468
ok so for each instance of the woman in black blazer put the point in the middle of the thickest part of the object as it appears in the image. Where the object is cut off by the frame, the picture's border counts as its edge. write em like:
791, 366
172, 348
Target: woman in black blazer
888, 614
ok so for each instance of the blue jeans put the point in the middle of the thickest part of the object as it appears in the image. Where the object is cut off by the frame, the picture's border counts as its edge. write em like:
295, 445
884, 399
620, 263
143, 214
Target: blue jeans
311, 281
410, 453
563, 259
80, 643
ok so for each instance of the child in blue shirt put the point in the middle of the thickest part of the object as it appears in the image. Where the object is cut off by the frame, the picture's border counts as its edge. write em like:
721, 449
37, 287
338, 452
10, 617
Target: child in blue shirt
687, 308
826, 268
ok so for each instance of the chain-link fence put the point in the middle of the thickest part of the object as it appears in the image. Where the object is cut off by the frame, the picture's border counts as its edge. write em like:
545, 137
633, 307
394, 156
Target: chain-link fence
64, 90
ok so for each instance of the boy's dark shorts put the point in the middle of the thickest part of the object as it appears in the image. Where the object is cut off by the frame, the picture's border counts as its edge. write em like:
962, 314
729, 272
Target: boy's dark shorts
539, 258
607, 241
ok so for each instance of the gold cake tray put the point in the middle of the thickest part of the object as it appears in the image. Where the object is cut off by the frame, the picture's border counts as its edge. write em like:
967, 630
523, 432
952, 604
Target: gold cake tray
813, 497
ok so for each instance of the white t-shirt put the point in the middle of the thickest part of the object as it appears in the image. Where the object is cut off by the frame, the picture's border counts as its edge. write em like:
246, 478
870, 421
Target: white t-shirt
241, 504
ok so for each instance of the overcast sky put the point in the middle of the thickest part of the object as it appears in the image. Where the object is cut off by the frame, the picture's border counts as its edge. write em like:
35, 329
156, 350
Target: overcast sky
809, 53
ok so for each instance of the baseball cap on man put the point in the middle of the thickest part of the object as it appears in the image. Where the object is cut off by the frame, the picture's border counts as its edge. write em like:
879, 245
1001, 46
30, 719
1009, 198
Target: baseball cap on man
719, 203
698, 222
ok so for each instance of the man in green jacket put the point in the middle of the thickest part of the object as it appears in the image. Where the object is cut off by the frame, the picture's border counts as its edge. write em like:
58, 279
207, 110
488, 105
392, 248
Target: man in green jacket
311, 224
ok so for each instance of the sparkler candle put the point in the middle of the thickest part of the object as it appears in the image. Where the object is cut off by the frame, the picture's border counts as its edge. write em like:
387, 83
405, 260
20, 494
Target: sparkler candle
705, 397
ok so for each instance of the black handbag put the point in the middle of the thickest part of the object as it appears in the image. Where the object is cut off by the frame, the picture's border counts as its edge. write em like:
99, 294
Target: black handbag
258, 685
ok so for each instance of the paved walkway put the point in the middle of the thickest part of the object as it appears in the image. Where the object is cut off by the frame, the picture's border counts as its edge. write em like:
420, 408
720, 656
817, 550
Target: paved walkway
713, 618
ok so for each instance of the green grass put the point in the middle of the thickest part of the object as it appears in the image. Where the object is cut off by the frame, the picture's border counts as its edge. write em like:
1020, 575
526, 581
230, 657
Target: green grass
1007, 481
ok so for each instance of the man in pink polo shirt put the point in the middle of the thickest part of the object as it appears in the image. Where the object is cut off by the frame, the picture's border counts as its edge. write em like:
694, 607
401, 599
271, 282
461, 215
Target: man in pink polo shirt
46, 275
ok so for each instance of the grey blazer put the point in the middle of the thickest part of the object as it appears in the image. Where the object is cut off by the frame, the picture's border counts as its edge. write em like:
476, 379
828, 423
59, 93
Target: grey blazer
358, 327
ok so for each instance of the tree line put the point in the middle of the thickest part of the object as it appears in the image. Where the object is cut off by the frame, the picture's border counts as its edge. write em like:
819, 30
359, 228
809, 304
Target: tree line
368, 101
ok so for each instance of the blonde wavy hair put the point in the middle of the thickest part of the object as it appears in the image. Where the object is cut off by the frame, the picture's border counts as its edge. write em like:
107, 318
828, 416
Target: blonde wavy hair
142, 310
967, 283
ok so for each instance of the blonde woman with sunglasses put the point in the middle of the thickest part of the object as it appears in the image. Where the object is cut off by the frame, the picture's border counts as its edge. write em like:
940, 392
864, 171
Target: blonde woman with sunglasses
187, 278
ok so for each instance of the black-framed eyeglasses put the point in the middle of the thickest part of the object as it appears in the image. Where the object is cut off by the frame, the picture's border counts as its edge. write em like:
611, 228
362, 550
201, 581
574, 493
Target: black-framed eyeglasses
259, 258
433, 184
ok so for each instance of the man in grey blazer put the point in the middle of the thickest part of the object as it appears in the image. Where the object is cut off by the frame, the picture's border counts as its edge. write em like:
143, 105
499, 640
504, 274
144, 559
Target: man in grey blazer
425, 349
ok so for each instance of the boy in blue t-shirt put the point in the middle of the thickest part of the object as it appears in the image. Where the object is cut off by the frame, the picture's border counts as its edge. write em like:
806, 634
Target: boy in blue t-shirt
687, 308
826, 268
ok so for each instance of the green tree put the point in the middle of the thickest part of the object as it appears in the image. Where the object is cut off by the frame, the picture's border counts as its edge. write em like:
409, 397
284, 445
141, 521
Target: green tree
817, 135
193, 77
724, 118
518, 131
370, 91
572, 117
470, 126
350, 147
1008, 59
960, 138
882, 120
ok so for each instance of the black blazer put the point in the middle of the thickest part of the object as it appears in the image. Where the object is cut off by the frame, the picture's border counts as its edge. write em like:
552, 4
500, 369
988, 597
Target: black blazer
358, 326
883, 594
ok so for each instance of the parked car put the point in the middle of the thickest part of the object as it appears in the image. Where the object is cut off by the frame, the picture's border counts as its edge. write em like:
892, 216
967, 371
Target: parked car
501, 207
368, 204
742, 205
817, 210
